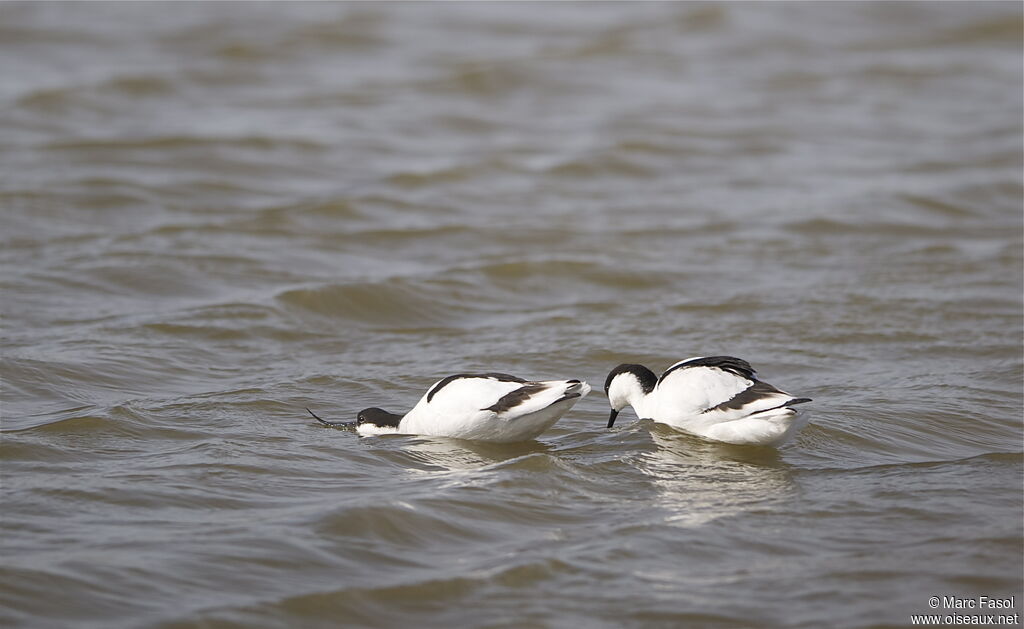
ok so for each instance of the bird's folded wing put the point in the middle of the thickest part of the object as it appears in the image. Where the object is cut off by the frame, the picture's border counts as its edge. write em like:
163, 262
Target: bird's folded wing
536, 396
699, 388
464, 395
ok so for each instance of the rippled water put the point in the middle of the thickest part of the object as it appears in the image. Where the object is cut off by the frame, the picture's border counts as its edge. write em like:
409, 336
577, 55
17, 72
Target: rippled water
215, 215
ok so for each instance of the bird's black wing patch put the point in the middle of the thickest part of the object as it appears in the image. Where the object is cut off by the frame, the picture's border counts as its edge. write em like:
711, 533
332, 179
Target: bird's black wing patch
515, 398
733, 365
502, 377
752, 393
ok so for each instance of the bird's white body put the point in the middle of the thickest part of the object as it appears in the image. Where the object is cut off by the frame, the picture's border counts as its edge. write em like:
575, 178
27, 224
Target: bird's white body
719, 398
487, 407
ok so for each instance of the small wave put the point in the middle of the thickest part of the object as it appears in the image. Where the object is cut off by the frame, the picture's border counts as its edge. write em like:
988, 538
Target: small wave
358, 30
995, 458
448, 173
205, 332
23, 451
1000, 31
937, 206
606, 164
402, 234
333, 207
897, 432
399, 524
83, 424
171, 142
385, 605
487, 79
514, 273
122, 421
835, 227
392, 303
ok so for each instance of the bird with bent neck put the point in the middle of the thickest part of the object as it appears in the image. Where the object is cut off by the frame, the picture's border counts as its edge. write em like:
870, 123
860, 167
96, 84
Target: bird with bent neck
716, 397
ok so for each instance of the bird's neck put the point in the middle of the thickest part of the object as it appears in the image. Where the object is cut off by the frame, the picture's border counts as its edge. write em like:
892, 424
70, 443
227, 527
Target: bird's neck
638, 399
641, 406
390, 419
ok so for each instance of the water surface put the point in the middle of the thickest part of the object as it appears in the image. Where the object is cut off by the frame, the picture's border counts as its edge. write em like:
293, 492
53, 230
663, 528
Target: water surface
215, 215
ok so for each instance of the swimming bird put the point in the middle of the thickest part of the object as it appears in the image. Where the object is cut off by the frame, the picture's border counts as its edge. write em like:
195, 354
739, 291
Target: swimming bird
493, 407
718, 397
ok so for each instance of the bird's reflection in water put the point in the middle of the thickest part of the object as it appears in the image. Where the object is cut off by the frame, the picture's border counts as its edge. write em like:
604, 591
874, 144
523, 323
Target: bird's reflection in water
700, 481
433, 453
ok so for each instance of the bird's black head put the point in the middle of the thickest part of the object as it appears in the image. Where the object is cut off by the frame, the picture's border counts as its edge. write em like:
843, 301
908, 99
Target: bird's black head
644, 376
625, 384
377, 417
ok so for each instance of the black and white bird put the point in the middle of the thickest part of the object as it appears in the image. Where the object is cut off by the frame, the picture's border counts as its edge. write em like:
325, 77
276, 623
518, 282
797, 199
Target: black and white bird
493, 407
717, 397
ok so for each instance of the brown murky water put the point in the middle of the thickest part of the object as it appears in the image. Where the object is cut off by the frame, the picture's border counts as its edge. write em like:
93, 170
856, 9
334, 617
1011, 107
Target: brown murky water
215, 215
